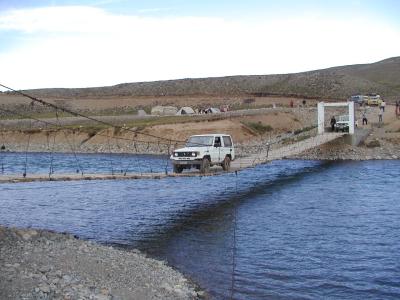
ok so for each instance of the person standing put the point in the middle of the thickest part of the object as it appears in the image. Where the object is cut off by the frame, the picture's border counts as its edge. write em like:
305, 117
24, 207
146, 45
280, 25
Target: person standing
333, 122
380, 116
397, 108
383, 105
364, 117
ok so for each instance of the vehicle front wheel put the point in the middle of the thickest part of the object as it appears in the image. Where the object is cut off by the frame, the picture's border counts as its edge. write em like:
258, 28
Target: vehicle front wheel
205, 166
178, 169
226, 164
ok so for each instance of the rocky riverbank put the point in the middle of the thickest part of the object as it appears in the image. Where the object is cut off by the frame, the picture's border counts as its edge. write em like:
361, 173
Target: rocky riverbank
372, 148
38, 264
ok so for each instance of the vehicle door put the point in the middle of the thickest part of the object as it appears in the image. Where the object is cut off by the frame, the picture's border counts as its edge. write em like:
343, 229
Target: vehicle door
216, 151
227, 147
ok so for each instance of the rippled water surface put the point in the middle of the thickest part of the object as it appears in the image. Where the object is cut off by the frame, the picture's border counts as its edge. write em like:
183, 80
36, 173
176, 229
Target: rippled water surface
286, 230
14, 163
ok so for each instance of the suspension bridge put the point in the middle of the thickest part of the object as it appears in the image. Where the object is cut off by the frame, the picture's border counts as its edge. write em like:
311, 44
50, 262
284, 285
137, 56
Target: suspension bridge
266, 151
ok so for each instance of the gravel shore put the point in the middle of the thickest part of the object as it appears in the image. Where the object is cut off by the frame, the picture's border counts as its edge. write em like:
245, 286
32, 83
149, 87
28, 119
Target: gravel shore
372, 148
38, 264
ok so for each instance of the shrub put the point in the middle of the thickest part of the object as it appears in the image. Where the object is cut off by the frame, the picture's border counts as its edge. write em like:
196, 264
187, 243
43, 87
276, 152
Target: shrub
32, 130
117, 130
91, 133
258, 127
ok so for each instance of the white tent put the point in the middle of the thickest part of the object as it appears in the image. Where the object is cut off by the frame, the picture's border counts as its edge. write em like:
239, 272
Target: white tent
213, 110
164, 110
170, 110
185, 111
157, 110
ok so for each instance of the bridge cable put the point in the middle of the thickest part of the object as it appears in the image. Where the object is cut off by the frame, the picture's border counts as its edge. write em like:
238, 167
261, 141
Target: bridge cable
27, 148
167, 159
61, 126
234, 247
129, 162
2, 149
48, 147
51, 167
58, 124
121, 155
77, 114
78, 166
125, 156
110, 154
74, 145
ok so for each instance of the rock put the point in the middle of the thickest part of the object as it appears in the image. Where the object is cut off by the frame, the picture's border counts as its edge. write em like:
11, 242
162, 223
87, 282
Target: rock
27, 234
67, 279
373, 144
45, 288
179, 292
167, 287
10, 277
45, 269
101, 297
104, 291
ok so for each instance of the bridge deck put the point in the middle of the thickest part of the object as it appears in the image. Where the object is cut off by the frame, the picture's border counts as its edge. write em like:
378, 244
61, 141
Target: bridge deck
74, 177
289, 150
263, 156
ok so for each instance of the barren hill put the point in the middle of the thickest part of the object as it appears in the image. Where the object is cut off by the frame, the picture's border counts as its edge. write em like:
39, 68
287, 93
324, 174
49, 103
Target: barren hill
382, 77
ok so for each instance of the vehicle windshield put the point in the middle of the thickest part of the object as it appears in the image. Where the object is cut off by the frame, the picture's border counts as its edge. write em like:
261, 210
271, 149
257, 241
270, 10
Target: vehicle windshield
344, 118
200, 141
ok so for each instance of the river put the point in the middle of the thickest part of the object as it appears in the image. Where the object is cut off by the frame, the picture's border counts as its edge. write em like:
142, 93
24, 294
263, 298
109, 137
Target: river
290, 229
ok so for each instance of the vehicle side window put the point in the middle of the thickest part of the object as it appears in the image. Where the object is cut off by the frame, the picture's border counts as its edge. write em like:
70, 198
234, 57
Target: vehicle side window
217, 141
227, 141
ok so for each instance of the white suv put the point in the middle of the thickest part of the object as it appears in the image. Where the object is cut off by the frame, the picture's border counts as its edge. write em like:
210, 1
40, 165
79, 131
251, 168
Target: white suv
203, 151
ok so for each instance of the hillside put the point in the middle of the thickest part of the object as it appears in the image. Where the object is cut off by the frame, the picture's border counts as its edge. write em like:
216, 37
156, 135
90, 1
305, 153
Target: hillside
382, 77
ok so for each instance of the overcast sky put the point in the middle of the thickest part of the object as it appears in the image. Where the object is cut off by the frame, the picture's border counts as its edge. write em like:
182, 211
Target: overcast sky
105, 42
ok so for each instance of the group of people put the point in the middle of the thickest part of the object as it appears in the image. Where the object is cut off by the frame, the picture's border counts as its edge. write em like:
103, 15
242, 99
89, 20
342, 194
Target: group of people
381, 110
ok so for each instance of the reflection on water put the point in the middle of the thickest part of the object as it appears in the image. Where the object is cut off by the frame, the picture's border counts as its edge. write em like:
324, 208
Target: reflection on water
304, 229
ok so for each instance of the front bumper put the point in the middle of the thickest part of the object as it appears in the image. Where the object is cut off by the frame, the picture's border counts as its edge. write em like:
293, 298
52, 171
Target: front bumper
186, 161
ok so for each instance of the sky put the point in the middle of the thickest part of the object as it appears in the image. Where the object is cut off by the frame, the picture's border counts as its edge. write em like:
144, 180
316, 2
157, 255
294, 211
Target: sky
69, 43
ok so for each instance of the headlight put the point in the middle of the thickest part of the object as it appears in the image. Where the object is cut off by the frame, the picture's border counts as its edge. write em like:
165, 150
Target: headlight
194, 154
175, 154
